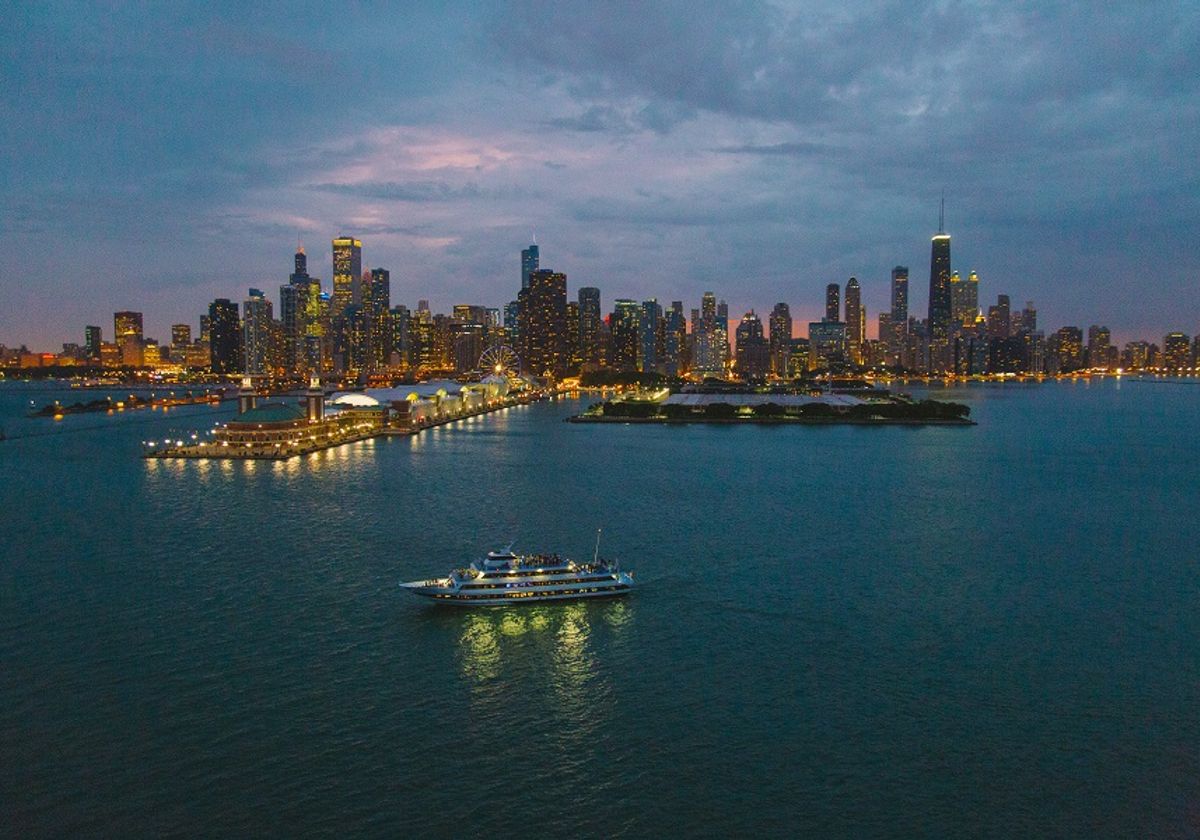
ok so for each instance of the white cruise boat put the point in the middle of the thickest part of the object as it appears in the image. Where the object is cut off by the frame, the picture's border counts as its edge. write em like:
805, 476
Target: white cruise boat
504, 577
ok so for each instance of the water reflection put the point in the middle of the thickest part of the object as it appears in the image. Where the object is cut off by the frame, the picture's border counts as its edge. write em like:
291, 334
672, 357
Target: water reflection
480, 645
574, 664
564, 647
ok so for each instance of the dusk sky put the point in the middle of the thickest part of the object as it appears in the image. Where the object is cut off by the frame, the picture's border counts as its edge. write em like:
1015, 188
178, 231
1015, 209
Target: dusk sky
160, 155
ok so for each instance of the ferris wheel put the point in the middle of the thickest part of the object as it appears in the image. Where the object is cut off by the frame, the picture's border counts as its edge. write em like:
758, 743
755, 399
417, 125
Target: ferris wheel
500, 360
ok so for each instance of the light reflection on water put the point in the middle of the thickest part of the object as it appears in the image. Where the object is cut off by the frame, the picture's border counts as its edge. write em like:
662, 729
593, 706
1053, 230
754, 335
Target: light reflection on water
550, 640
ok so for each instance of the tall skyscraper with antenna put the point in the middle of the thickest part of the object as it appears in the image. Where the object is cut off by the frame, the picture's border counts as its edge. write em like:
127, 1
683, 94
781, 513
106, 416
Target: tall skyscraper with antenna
529, 264
939, 296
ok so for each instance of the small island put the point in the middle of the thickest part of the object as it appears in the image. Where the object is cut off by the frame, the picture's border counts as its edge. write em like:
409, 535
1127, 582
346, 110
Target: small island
869, 408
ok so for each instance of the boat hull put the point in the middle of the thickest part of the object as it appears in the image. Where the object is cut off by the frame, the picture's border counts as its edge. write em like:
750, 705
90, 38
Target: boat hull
458, 599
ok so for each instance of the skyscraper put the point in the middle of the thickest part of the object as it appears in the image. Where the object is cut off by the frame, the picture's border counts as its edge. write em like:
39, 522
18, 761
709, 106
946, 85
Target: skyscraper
1029, 317
92, 339
900, 295
897, 324
572, 352
709, 358
300, 319
546, 323
127, 325
224, 337
940, 314
833, 303
826, 344
377, 301
257, 333
675, 355
650, 330
999, 320
181, 336
127, 332
626, 334
512, 322
347, 273
1176, 352
1098, 342
753, 353
589, 325
1068, 349
856, 321
723, 332
964, 298
291, 320
529, 264
780, 343
401, 325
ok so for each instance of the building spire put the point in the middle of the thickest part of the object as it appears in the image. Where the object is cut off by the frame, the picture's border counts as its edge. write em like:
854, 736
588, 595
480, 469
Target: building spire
942, 213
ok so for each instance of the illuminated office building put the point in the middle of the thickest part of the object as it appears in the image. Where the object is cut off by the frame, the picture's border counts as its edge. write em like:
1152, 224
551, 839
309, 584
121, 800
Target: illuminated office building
900, 294
181, 335
964, 298
468, 342
257, 334
529, 264
999, 319
1136, 355
546, 323
376, 301
753, 357
897, 334
626, 334
1068, 349
674, 355
722, 333
826, 344
127, 335
707, 340
590, 319
856, 322
127, 325
347, 273
780, 344
650, 331
940, 315
1098, 343
224, 337
833, 303
1176, 351
92, 339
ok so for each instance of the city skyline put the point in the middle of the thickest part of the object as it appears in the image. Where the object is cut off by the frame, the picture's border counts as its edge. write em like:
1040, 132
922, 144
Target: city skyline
350, 279
763, 154
353, 332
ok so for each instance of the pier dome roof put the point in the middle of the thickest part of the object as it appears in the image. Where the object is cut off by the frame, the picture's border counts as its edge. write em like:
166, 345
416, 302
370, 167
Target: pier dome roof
354, 399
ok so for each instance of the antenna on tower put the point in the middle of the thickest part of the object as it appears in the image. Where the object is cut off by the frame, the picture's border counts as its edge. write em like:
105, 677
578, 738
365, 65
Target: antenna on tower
533, 236
942, 213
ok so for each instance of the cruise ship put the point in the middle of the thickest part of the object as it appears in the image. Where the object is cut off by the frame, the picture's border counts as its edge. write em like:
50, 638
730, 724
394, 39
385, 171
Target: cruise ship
504, 577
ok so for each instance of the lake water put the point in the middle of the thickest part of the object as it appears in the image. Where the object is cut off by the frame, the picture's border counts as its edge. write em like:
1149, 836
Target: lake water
990, 631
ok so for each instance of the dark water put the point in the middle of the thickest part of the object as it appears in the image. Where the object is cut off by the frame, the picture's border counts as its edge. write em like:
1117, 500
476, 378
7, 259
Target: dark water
986, 632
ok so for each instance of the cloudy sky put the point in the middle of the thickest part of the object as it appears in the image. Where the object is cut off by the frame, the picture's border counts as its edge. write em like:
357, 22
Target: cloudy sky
160, 155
